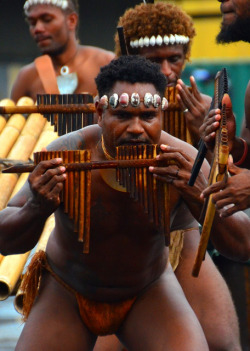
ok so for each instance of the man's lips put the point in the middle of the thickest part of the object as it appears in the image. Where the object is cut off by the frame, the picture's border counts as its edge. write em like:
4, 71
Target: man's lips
133, 142
41, 39
228, 17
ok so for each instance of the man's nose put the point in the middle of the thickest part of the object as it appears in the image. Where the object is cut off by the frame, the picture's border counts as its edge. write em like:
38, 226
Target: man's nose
166, 68
135, 126
39, 27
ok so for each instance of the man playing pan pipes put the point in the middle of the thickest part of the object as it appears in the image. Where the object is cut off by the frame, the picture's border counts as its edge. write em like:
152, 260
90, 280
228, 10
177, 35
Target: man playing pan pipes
65, 66
163, 33
123, 285
163, 18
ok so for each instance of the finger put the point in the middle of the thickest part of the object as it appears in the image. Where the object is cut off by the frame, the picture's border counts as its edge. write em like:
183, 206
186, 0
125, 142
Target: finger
171, 149
44, 165
222, 202
186, 97
195, 90
168, 180
214, 188
179, 99
229, 211
234, 169
166, 171
51, 185
52, 172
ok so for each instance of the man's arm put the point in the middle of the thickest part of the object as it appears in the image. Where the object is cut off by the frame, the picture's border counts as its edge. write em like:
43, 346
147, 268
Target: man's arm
230, 236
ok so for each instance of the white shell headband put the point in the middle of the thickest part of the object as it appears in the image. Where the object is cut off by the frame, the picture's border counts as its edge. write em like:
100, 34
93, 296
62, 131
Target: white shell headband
63, 4
171, 39
135, 100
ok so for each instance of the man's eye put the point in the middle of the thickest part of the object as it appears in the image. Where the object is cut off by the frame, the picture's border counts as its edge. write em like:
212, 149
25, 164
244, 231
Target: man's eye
147, 116
155, 60
47, 19
174, 59
123, 115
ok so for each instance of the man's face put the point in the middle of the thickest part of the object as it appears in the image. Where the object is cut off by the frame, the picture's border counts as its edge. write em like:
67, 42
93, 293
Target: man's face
171, 59
235, 21
131, 125
48, 27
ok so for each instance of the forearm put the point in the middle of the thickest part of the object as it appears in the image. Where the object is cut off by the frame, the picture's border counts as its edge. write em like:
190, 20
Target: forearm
20, 228
230, 236
239, 150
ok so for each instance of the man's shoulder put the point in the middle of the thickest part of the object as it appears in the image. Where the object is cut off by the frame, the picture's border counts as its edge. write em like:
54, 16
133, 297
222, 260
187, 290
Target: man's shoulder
85, 138
28, 71
96, 53
173, 141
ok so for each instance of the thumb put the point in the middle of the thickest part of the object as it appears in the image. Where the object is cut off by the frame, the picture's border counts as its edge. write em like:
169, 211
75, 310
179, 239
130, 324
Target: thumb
226, 100
231, 166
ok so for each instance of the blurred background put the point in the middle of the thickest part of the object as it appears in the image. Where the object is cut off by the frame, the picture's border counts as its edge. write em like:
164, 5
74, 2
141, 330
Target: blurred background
98, 19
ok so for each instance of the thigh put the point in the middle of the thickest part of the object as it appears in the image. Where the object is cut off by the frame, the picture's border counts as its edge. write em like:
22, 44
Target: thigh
210, 299
161, 319
54, 322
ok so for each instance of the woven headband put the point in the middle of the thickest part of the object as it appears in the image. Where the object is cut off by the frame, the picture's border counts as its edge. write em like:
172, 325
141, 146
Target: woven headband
63, 4
149, 100
171, 39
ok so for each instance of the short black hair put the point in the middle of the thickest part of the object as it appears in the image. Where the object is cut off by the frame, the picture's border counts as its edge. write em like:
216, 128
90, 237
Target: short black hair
131, 69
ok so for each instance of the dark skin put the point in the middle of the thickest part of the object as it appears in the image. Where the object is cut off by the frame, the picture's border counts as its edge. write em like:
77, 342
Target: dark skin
235, 192
172, 61
108, 267
55, 35
107, 273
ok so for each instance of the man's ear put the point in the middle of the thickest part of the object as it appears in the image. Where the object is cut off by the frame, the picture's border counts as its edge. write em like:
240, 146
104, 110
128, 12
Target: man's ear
72, 20
99, 111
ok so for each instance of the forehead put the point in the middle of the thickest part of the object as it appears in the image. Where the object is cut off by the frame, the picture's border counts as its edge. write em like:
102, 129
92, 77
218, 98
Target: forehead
163, 51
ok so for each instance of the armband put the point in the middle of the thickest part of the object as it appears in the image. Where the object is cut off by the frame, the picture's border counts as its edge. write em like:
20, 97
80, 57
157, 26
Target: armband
243, 157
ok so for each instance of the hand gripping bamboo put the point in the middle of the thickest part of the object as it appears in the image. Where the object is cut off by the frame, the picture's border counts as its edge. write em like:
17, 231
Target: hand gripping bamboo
218, 171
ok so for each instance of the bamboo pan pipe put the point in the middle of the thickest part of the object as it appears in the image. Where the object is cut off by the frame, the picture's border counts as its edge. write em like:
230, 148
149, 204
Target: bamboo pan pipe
130, 164
72, 111
173, 121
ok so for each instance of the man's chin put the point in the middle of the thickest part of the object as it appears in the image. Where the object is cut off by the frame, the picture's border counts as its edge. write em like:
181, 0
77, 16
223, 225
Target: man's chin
237, 31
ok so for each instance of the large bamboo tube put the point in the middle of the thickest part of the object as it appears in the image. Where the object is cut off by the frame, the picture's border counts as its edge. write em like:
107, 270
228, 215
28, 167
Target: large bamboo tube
7, 184
9, 277
13, 128
21, 150
3, 119
50, 223
10, 270
28, 138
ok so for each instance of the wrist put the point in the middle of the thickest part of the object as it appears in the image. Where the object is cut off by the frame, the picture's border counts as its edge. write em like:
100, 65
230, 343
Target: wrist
244, 153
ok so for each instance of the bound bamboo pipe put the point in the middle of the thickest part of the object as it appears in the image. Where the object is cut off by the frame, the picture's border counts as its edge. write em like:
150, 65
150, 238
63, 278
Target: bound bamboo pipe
47, 109
71, 167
